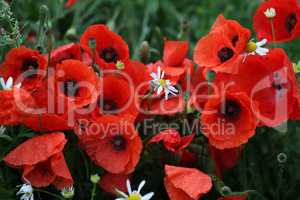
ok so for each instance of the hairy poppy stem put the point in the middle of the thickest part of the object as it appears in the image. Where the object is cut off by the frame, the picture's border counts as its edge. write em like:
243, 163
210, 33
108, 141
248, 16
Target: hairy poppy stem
93, 192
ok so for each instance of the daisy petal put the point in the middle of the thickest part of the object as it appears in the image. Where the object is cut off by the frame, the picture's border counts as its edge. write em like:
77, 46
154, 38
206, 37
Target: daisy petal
141, 186
148, 196
128, 186
262, 42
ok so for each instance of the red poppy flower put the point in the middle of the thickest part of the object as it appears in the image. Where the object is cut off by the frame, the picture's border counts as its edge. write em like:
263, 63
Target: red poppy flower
220, 48
65, 52
224, 159
112, 101
286, 22
70, 3
110, 47
243, 197
186, 183
42, 161
229, 121
272, 85
24, 65
111, 142
110, 182
172, 140
76, 83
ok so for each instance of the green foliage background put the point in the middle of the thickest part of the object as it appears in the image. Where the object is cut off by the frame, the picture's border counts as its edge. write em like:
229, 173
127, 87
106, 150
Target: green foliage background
153, 21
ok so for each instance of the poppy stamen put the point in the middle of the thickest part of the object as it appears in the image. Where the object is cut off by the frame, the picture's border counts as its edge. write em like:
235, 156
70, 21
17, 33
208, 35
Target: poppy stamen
291, 22
109, 55
119, 143
30, 64
225, 54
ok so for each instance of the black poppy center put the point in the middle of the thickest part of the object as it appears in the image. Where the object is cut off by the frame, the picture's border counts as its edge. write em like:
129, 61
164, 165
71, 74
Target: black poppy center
109, 54
225, 54
70, 88
234, 40
30, 64
119, 143
232, 109
291, 22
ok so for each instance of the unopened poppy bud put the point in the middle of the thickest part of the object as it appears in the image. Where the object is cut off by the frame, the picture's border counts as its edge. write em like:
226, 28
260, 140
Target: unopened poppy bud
71, 34
95, 178
120, 65
225, 190
145, 52
282, 158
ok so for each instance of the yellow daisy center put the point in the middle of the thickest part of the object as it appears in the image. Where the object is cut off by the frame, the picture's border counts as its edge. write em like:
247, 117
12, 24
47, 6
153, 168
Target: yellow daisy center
251, 47
162, 82
134, 196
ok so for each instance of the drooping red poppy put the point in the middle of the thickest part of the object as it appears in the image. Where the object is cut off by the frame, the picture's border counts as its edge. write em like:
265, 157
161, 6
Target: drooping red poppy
42, 161
242, 197
110, 47
76, 84
224, 159
24, 65
70, 3
228, 121
286, 22
110, 182
186, 183
221, 47
65, 52
111, 142
172, 140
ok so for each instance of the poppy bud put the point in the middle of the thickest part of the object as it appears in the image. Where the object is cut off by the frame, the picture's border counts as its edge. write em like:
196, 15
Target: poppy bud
282, 158
95, 178
145, 51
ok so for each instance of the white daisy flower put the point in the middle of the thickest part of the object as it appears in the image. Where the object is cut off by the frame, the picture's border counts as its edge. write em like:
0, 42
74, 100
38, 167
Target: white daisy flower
26, 191
257, 48
161, 85
68, 192
270, 13
2, 129
8, 84
135, 194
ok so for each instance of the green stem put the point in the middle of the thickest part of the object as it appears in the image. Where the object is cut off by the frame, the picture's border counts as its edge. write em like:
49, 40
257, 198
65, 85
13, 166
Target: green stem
49, 193
94, 192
